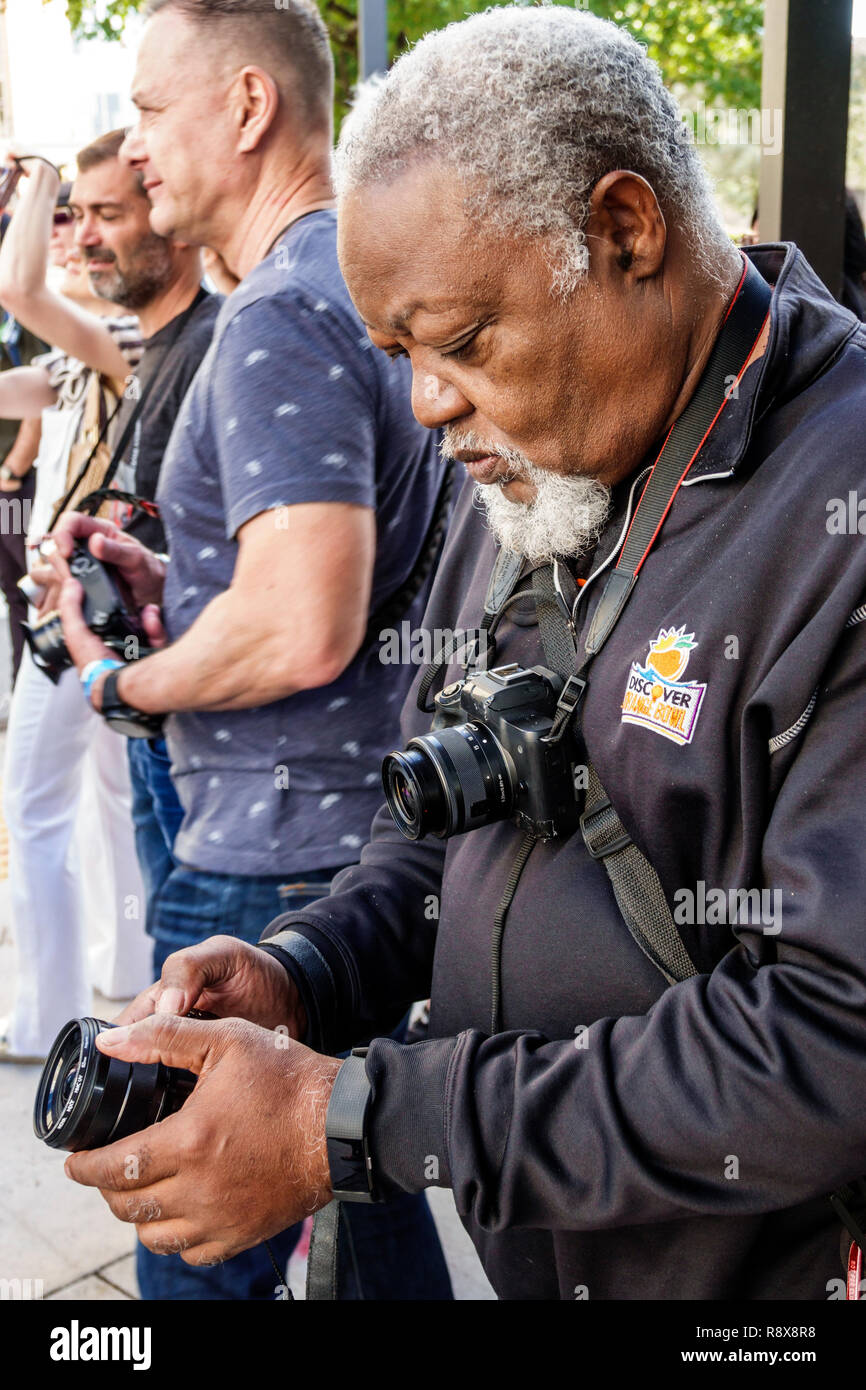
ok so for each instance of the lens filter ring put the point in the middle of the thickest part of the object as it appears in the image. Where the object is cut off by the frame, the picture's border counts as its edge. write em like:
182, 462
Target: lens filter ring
66, 1075
81, 1091
416, 796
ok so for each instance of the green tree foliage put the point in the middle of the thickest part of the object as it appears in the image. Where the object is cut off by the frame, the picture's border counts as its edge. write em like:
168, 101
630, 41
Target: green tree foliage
105, 21
709, 46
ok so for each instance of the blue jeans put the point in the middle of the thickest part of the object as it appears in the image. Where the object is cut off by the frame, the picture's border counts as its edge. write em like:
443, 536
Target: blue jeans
156, 816
389, 1250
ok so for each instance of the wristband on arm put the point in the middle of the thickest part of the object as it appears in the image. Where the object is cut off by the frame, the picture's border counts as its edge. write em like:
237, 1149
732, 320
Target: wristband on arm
94, 669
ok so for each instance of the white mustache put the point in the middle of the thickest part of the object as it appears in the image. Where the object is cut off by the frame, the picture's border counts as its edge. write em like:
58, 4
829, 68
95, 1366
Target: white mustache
518, 464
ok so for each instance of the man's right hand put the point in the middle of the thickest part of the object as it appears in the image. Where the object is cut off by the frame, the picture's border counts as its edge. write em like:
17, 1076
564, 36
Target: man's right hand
227, 977
143, 571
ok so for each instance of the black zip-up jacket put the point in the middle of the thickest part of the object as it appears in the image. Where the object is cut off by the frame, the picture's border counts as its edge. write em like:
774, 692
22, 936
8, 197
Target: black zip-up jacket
621, 1139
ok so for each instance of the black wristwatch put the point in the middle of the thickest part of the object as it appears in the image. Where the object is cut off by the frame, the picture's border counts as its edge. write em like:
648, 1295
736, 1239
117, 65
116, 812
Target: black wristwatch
133, 723
346, 1132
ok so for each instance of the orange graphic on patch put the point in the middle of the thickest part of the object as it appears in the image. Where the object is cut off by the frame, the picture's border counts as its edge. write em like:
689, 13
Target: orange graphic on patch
669, 653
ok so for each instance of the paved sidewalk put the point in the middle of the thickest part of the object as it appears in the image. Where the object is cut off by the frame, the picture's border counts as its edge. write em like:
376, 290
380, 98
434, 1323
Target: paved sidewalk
63, 1235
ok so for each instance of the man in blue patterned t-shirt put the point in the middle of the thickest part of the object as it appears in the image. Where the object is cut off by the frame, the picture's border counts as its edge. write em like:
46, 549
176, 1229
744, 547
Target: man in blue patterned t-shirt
291, 418
296, 493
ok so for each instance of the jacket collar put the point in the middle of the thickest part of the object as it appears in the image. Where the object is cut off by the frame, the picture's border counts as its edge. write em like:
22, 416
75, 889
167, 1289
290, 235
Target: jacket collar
807, 330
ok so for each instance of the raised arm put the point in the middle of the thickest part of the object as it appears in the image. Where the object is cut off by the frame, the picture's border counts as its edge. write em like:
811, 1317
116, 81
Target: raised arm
25, 392
24, 293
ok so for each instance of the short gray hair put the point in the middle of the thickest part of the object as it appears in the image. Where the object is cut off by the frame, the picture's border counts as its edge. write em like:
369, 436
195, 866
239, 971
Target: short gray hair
531, 107
290, 37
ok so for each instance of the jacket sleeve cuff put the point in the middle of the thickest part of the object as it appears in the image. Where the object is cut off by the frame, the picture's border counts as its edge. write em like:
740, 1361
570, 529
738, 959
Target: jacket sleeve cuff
314, 979
407, 1121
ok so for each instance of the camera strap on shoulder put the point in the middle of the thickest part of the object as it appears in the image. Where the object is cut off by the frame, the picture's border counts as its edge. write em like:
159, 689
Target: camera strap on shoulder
635, 883
739, 336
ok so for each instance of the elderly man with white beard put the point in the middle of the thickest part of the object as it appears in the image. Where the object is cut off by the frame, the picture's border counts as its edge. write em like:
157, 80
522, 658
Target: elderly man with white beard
626, 1100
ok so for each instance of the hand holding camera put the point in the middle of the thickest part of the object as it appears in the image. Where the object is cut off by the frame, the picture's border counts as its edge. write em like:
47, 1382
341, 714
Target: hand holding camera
190, 1183
227, 977
141, 570
87, 1099
107, 610
103, 621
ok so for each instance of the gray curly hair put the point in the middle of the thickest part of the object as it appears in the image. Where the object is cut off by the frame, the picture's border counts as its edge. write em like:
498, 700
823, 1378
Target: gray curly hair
531, 107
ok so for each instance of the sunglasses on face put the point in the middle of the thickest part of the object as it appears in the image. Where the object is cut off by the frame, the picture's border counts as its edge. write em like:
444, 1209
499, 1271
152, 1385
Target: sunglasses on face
62, 217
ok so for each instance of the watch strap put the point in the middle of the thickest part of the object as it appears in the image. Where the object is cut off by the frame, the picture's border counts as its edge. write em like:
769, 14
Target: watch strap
346, 1132
125, 719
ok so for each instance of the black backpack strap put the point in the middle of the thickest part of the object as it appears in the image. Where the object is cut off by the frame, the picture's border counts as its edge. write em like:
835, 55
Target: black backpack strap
389, 612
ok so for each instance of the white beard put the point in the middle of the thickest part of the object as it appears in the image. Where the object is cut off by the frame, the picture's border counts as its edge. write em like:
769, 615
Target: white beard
566, 516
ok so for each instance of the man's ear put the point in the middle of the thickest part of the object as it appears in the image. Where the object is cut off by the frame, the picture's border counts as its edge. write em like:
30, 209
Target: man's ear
255, 102
626, 229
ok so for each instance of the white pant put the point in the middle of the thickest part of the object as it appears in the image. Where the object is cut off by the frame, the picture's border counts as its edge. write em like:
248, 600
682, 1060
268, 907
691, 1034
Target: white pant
73, 872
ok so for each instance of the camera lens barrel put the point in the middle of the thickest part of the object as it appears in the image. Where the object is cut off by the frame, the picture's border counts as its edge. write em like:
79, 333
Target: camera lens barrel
86, 1099
449, 782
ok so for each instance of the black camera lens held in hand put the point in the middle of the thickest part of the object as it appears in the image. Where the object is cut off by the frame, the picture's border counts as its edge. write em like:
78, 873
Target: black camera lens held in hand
108, 611
86, 1099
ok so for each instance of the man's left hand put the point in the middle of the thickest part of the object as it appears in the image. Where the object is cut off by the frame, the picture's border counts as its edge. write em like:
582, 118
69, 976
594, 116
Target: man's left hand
244, 1158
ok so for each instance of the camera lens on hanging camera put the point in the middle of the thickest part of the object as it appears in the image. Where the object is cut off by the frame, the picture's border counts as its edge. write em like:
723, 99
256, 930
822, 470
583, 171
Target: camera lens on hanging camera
503, 763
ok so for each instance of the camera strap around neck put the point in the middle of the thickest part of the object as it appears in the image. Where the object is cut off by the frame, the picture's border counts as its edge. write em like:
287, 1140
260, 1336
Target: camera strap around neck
636, 885
740, 333
739, 336
637, 888
117, 454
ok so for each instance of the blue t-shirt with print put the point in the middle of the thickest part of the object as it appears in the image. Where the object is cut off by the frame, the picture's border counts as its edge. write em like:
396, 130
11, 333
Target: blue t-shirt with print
291, 404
